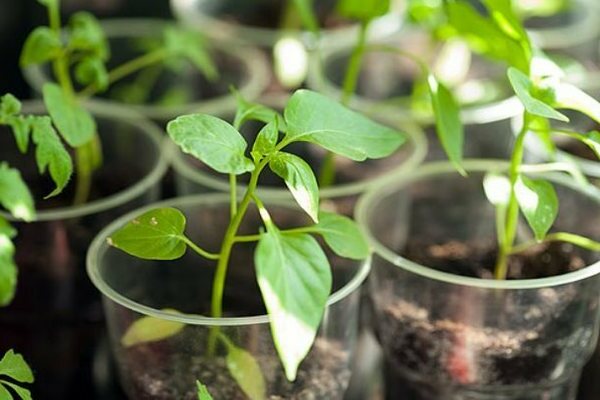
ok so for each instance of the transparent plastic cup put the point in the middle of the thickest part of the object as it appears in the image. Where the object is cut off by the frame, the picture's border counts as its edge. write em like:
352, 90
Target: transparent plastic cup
56, 313
241, 67
447, 336
168, 368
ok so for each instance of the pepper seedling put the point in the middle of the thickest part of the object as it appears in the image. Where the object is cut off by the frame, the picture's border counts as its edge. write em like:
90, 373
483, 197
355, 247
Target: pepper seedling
292, 270
78, 53
539, 84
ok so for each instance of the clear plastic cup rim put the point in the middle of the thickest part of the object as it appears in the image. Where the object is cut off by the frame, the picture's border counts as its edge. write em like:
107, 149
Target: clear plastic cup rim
373, 197
99, 246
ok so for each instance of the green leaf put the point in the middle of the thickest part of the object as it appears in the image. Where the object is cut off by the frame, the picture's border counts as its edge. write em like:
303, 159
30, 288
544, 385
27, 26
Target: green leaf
21, 129
8, 269
523, 87
342, 235
189, 44
364, 10
450, 129
14, 366
571, 97
92, 71
312, 117
155, 235
592, 140
75, 123
14, 194
49, 3
50, 153
212, 141
23, 393
248, 111
244, 368
503, 14
295, 280
485, 36
266, 140
43, 44
300, 179
203, 392
538, 202
151, 329
86, 34
9, 106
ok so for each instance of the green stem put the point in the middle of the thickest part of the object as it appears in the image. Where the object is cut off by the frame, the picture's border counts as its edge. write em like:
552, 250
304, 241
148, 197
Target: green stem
198, 249
225, 253
233, 194
353, 70
128, 68
255, 238
84, 159
572, 238
512, 214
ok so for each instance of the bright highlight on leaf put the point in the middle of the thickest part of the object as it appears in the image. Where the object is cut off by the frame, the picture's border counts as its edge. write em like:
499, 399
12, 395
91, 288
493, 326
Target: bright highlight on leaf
155, 235
151, 329
497, 189
14, 194
295, 281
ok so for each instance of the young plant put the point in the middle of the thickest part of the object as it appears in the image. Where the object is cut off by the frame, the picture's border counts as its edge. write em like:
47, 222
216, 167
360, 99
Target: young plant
50, 155
79, 53
539, 84
292, 270
14, 367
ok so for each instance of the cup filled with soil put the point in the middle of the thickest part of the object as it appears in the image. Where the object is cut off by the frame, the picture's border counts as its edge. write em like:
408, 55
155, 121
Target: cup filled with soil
56, 313
448, 329
172, 300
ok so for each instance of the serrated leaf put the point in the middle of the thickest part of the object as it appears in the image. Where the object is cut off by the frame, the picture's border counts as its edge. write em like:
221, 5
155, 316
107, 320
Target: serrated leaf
538, 202
523, 86
300, 180
92, 71
203, 392
87, 34
14, 194
75, 123
212, 141
42, 45
497, 189
295, 281
9, 106
265, 141
189, 44
244, 368
14, 366
249, 111
571, 97
363, 10
342, 235
21, 130
312, 117
151, 329
450, 129
23, 393
155, 235
50, 153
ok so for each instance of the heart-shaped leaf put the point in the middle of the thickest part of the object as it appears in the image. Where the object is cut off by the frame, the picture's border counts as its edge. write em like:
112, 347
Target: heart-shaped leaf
155, 235
43, 44
300, 179
295, 281
212, 141
342, 235
538, 202
312, 117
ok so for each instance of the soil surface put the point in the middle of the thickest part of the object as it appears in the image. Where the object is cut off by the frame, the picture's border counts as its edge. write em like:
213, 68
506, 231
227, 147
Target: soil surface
155, 374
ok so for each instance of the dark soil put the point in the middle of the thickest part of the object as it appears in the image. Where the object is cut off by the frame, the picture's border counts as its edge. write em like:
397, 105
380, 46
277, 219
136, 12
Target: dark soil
449, 353
158, 375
